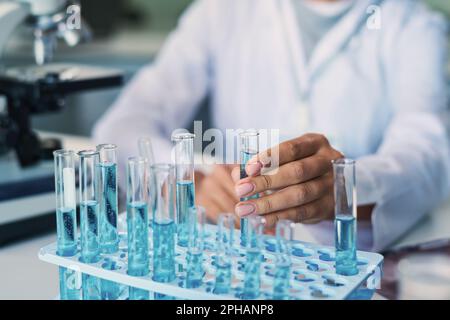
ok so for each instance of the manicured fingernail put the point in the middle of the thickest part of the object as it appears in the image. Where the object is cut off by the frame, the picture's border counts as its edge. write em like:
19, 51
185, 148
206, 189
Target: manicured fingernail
244, 189
245, 210
253, 168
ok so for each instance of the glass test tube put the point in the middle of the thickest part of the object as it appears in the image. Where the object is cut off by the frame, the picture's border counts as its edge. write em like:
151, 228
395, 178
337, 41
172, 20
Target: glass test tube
252, 278
137, 223
146, 151
184, 162
284, 235
109, 238
89, 206
248, 148
163, 178
89, 220
225, 239
345, 216
66, 221
196, 241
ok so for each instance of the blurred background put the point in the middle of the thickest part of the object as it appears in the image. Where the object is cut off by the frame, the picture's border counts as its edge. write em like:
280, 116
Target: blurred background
126, 36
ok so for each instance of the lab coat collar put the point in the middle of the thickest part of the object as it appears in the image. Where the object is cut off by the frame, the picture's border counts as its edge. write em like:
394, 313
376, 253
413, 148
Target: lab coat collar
328, 47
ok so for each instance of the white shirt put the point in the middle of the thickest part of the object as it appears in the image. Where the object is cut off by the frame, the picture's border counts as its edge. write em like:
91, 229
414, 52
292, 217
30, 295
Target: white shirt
377, 94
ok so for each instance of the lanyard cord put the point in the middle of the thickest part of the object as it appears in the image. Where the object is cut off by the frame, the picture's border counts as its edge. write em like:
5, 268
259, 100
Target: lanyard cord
303, 82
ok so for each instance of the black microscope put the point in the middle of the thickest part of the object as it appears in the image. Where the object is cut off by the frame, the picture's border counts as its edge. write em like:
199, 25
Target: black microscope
37, 89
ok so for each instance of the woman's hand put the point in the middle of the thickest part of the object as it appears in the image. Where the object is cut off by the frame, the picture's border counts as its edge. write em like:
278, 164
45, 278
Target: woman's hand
216, 191
302, 187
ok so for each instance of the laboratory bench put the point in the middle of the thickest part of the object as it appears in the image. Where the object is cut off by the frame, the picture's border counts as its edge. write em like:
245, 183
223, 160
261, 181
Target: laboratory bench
24, 276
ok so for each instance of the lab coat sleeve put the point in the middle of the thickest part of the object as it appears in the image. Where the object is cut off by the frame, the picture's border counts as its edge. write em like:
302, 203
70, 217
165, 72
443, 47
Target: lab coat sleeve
163, 96
410, 172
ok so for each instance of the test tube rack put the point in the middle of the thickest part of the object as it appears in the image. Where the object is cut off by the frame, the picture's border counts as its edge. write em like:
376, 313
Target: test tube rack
313, 274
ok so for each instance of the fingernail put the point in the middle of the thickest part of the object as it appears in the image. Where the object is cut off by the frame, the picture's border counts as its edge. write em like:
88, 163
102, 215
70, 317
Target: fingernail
253, 168
245, 210
244, 189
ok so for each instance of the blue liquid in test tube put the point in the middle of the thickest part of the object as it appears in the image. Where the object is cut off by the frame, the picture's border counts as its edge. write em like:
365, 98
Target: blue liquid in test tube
163, 246
185, 201
284, 235
110, 290
164, 229
345, 216
249, 147
225, 240
252, 280
91, 287
281, 282
89, 207
109, 237
137, 223
66, 222
223, 278
195, 270
196, 236
346, 262
185, 187
89, 220
163, 254
163, 242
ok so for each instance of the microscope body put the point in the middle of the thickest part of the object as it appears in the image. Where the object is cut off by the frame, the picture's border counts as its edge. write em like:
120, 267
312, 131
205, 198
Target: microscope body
43, 87
48, 20
37, 87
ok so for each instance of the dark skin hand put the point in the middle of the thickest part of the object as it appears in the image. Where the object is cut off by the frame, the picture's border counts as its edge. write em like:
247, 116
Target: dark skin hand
365, 212
215, 192
302, 187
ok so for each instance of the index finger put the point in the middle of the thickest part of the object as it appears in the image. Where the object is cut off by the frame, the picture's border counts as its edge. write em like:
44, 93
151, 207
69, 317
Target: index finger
285, 152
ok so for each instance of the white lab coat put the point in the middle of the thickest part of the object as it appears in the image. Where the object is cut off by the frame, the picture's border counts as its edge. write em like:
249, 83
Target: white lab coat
378, 94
